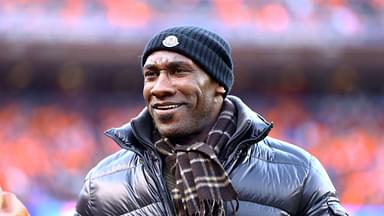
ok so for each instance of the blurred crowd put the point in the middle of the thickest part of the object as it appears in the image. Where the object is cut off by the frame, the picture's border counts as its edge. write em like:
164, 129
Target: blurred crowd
90, 19
47, 146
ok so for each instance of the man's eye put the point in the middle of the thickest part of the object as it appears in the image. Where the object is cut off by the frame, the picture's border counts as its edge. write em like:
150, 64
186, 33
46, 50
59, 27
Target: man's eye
150, 74
180, 70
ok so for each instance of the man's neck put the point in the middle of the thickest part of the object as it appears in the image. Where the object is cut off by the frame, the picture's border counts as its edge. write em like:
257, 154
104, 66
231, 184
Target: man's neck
202, 134
191, 138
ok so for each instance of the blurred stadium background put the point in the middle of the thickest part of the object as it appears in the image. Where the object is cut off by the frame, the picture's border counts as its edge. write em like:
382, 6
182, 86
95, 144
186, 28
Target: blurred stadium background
70, 70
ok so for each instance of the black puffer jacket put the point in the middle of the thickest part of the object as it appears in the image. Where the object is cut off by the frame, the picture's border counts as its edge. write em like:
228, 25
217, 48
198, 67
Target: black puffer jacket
271, 176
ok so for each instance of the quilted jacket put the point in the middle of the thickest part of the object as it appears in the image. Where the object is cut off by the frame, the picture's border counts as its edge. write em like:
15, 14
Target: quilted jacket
271, 176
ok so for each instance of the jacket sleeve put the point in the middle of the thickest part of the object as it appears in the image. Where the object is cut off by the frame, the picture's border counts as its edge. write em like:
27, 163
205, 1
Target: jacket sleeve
319, 194
83, 204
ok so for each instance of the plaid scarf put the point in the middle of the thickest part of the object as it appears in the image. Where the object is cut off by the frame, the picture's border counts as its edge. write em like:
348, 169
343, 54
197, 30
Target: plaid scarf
202, 184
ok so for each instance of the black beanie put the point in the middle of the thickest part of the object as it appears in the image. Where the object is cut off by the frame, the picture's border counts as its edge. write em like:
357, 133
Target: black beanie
207, 49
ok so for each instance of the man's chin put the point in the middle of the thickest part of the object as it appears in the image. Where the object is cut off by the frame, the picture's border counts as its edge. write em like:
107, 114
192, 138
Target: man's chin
164, 118
169, 131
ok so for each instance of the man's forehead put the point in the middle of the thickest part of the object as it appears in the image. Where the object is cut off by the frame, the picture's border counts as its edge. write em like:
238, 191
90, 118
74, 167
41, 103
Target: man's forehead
164, 57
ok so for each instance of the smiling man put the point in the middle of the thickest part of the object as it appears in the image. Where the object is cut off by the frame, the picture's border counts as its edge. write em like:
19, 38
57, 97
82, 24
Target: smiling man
196, 150
181, 98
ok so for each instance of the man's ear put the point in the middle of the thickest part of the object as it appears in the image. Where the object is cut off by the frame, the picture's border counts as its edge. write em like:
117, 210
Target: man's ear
220, 90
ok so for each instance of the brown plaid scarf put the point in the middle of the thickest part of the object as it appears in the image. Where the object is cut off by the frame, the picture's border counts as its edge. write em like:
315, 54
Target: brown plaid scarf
202, 184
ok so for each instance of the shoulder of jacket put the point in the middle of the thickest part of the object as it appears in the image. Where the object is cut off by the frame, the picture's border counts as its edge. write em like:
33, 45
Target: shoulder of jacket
282, 152
116, 162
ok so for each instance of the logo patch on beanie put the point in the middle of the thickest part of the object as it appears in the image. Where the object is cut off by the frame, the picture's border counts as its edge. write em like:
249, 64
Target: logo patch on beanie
170, 41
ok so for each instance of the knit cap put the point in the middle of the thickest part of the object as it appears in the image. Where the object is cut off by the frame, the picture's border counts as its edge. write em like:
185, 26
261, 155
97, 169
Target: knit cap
207, 49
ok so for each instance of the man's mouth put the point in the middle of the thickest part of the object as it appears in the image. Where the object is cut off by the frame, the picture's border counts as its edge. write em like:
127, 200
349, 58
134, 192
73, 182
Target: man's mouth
166, 106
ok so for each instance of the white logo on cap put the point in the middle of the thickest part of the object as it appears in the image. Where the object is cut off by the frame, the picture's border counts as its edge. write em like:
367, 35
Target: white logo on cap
170, 41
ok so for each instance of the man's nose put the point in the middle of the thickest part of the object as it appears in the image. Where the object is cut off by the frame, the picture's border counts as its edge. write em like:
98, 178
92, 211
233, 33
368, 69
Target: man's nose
163, 85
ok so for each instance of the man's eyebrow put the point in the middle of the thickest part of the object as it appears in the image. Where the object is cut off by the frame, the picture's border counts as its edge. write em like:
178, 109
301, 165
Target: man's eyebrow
149, 66
173, 64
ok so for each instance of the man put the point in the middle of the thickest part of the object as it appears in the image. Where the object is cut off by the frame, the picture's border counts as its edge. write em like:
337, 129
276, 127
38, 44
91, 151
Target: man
196, 150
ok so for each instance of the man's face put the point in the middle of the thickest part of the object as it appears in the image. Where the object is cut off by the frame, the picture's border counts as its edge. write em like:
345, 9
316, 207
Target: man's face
181, 98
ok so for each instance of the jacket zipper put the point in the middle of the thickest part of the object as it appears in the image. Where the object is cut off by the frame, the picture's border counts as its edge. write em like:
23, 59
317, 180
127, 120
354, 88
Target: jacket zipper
159, 184
168, 206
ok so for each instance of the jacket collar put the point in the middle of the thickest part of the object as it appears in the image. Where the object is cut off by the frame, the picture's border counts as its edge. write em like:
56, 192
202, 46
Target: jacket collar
259, 125
135, 134
138, 132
